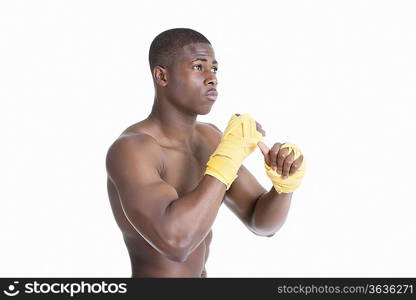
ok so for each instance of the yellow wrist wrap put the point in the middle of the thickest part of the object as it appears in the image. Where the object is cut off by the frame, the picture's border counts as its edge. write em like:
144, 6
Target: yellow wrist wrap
239, 140
289, 184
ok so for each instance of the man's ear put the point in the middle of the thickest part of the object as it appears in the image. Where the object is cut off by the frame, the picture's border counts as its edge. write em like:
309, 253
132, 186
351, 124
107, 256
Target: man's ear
160, 75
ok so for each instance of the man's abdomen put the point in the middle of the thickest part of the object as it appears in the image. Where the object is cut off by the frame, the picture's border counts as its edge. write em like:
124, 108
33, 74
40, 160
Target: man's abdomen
148, 262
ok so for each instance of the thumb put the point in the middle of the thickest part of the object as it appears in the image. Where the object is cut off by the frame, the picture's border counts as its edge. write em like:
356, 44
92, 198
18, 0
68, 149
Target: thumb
265, 151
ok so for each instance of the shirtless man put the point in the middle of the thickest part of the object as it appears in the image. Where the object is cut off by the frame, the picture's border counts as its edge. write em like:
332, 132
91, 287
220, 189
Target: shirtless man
162, 198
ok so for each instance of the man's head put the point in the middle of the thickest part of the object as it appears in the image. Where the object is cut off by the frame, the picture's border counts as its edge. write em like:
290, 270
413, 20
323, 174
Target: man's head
184, 68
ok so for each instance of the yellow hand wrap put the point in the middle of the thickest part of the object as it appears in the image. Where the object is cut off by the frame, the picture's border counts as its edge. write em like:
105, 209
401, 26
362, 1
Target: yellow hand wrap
289, 184
239, 140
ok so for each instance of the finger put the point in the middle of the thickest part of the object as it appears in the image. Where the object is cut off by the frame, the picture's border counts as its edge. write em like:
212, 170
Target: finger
296, 165
264, 148
273, 155
265, 151
260, 129
287, 164
263, 133
281, 156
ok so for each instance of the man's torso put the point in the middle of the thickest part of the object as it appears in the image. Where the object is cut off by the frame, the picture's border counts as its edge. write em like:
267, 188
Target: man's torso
183, 170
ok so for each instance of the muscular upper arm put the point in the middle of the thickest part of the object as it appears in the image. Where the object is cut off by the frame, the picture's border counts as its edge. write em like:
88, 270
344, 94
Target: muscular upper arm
243, 193
133, 164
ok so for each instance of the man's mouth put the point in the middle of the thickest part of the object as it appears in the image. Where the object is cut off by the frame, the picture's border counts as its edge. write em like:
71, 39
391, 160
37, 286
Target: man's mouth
212, 94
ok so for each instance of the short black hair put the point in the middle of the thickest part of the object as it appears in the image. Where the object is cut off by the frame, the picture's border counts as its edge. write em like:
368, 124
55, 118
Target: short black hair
167, 43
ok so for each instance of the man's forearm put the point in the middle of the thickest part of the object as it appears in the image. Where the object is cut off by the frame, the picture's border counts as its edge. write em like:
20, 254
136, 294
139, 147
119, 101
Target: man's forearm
270, 212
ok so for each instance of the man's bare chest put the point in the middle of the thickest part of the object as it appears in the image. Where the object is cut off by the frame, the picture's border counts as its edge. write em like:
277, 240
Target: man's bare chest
184, 170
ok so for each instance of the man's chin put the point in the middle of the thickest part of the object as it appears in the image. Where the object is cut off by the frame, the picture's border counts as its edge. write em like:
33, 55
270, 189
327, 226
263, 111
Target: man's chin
204, 111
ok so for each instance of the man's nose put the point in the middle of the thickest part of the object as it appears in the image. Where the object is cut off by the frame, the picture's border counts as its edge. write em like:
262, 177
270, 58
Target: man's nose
211, 80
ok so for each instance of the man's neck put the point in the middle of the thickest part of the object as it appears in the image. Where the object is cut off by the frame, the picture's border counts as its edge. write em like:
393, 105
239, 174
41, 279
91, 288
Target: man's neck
176, 125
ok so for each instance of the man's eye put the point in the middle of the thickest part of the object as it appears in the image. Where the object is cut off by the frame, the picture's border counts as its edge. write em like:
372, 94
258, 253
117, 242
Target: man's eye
197, 67
215, 69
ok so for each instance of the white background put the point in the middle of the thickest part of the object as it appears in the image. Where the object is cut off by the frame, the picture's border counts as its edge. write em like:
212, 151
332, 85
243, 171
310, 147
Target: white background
337, 78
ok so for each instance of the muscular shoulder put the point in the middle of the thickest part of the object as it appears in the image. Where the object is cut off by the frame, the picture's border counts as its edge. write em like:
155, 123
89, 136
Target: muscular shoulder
133, 148
210, 132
